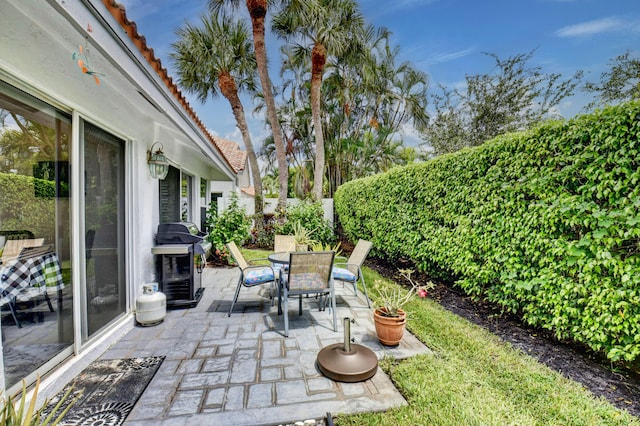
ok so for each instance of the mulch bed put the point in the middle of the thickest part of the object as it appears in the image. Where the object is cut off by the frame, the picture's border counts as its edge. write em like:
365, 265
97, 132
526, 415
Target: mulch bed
618, 384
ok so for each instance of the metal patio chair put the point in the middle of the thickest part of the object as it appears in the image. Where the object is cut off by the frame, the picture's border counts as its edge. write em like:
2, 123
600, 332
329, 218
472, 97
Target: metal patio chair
282, 244
250, 275
350, 271
309, 273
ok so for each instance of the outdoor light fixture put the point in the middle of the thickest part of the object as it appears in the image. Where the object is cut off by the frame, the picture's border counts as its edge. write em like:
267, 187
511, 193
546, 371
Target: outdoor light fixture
158, 164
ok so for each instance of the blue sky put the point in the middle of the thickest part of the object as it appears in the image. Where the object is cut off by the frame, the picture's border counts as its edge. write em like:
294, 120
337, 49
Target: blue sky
444, 38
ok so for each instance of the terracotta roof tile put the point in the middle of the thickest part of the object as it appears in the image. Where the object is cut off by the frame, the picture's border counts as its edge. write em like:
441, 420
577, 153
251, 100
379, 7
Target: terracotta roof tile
249, 190
231, 150
118, 11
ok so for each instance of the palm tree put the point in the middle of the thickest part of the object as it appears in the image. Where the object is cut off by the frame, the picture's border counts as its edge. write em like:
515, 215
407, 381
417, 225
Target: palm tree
218, 58
328, 26
258, 11
367, 100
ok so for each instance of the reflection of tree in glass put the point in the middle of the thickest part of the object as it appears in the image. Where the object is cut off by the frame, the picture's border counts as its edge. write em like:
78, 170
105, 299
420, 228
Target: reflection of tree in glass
24, 142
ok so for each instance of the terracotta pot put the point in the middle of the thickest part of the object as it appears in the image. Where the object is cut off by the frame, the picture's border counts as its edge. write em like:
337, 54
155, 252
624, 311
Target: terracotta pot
389, 329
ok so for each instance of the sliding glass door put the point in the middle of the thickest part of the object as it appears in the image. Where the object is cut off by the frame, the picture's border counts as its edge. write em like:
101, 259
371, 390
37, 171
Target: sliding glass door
105, 295
36, 289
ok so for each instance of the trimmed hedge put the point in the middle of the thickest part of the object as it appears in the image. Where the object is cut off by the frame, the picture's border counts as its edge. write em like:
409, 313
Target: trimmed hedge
544, 223
28, 203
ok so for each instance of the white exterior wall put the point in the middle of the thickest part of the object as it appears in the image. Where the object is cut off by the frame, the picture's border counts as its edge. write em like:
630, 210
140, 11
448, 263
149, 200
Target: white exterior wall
37, 39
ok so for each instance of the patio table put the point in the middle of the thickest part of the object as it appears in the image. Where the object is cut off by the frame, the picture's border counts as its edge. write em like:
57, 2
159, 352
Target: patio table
25, 278
41, 272
280, 258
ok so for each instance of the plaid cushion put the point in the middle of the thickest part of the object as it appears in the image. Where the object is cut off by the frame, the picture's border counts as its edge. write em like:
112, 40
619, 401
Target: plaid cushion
258, 276
342, 274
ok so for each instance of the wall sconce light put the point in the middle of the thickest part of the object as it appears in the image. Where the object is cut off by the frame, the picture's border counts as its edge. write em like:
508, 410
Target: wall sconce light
158, 164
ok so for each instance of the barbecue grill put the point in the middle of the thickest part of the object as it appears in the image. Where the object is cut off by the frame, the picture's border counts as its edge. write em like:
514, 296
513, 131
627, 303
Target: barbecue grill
178, 244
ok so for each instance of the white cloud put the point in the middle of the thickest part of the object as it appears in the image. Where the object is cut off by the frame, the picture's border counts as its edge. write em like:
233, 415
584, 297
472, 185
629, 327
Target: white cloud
410, 136
439, 58
592, 27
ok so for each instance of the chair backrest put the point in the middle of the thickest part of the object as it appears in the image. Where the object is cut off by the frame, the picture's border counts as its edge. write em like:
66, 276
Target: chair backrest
237, 255
284, 243
310, 271
12, 248
359, 254
36, 251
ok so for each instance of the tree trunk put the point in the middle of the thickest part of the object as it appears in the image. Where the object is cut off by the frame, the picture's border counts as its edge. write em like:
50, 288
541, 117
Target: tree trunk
258, 10
318, 60
229, 90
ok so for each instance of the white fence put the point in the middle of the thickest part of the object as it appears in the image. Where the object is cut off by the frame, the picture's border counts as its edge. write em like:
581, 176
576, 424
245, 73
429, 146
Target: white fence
270, 206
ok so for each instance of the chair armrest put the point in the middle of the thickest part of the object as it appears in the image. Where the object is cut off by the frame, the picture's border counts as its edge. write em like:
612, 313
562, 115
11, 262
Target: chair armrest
347, 264
250, 267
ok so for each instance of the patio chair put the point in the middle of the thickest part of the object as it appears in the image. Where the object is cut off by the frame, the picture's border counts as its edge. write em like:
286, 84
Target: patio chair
350, 271
282, 243
250, 275
12, 248
309, 273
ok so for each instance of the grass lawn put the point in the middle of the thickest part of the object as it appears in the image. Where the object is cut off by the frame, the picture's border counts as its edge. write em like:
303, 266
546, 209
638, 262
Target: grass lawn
473, 378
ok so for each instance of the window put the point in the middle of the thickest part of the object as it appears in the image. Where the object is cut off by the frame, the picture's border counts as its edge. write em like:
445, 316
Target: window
170, 196
35, 237
176, 197
186, 198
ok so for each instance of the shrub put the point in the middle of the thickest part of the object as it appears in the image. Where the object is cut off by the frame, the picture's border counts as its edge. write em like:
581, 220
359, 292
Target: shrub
230, 225
264, 239
310, 215
27, 203
544, 223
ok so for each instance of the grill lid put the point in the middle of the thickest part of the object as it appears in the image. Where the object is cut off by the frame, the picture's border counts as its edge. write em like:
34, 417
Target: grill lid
179, 233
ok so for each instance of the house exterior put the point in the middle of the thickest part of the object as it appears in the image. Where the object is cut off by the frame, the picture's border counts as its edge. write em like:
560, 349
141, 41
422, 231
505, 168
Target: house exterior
83, 104
242, 186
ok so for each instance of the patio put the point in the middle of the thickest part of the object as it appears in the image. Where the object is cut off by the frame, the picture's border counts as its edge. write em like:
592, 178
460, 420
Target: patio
241, 369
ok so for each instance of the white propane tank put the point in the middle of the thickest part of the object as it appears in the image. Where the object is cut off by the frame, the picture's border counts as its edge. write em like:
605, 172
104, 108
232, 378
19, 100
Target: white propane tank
151, 306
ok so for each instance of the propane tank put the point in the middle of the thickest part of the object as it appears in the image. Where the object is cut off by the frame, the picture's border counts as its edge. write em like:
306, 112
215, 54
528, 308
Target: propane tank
151, 306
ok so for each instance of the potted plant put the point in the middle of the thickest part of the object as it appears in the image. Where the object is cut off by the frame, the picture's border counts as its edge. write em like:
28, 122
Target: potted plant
302, 237
318, 246
389, 316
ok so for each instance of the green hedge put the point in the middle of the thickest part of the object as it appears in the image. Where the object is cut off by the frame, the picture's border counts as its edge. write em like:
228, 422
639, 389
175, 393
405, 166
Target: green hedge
544, 223
28, 203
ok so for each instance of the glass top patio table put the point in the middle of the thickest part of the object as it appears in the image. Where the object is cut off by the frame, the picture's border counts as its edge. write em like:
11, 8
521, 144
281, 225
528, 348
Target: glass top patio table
281, 257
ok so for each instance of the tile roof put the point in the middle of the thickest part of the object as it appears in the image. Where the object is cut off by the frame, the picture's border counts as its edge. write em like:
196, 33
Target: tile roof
249, 190
231, 150
118, 11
